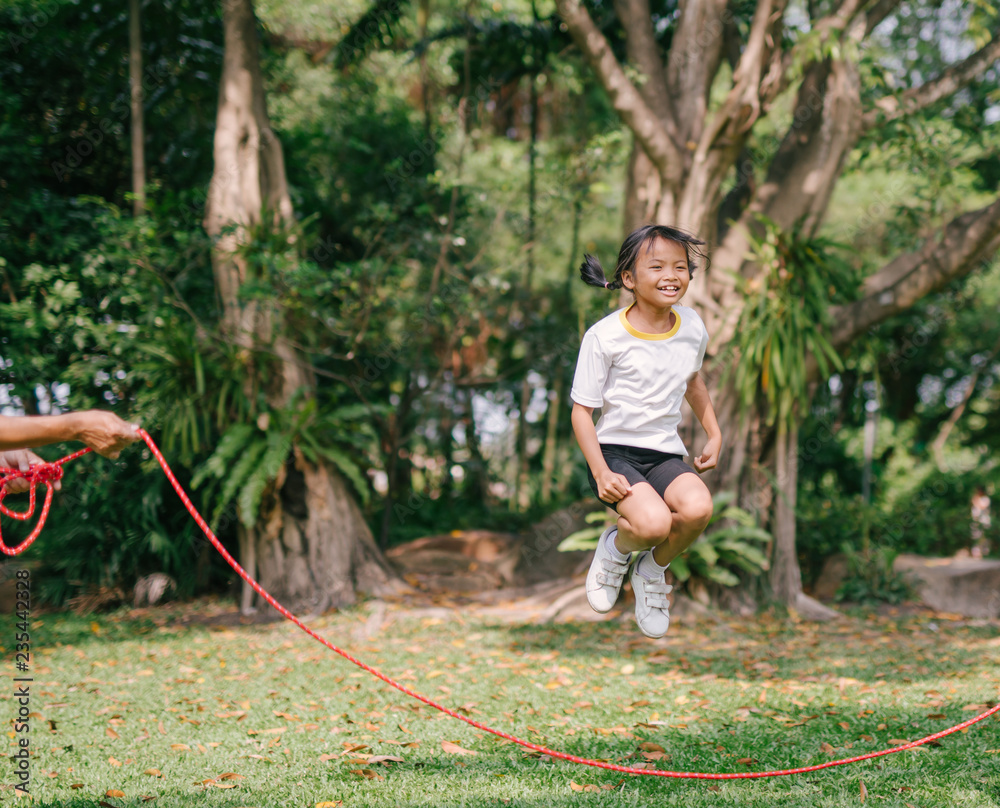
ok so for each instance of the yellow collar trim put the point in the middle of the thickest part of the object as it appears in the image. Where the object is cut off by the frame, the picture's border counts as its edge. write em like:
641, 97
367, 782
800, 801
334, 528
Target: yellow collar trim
642, 334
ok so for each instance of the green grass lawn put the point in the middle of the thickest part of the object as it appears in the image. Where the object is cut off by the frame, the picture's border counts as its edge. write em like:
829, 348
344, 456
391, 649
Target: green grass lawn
141, 704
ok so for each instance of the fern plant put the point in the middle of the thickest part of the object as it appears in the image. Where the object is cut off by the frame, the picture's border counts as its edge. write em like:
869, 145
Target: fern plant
250, 456
721, 551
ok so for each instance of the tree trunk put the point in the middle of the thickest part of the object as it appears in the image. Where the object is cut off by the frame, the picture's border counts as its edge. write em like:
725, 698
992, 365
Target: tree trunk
786, 579
138, 129
310, 542
551, 439
521, 498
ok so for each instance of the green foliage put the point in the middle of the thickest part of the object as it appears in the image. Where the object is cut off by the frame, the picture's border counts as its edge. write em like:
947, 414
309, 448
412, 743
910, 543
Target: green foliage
723, 551
729, 546
871, 578
785, 318
585, 539
88, 543
249, 457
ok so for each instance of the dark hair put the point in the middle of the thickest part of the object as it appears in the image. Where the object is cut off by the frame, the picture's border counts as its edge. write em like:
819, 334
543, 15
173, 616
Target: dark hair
635, 242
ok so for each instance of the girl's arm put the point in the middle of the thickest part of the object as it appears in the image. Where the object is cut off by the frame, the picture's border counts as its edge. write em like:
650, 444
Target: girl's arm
611, 487
701, 404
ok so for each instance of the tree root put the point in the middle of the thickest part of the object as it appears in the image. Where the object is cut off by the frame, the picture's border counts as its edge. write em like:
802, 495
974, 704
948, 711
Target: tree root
811, 609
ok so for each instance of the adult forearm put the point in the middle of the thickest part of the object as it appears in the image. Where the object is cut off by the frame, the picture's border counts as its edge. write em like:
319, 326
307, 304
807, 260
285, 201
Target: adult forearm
27, 432
102, 431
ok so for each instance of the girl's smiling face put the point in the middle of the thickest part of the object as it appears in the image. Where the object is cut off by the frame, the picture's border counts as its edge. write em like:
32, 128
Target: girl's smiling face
660, 277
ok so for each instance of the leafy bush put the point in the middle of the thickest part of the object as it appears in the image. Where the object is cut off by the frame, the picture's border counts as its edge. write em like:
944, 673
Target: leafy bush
91, 542
871, 577
716, 556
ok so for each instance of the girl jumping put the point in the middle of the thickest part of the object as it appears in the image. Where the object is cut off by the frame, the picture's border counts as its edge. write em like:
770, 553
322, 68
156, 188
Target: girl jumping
636, 365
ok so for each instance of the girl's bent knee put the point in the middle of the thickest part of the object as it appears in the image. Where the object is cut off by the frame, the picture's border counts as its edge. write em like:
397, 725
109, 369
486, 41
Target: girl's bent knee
700, 509
652, 530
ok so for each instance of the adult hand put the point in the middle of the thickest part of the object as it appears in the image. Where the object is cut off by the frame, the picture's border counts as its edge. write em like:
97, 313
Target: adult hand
612, 487
105, 432
22, 460
709, 456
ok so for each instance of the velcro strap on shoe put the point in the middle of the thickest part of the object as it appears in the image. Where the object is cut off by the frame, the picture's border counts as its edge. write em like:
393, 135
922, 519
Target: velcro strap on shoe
613, 572
656, 595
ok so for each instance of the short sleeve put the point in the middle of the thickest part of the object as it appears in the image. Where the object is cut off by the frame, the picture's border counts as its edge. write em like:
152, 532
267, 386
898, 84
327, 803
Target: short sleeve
702, 348
591, 372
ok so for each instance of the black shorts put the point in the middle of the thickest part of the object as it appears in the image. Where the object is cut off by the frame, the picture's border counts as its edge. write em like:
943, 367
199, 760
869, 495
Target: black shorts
637, 465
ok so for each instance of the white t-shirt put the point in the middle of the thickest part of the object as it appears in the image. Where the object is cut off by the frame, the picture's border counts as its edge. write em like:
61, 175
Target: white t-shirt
639, 380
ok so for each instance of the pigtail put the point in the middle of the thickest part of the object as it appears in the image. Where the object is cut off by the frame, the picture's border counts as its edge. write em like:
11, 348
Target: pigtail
592, 274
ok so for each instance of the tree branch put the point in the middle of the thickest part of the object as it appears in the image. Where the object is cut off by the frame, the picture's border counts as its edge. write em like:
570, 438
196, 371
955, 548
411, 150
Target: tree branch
625, 98
938, 444
965, 242
761, 42
832, 24
696, 51
877, 13
643, 53
949, 82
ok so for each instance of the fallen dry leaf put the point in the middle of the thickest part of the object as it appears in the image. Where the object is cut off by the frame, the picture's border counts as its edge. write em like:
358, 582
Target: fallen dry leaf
368, 774
76, 786
455, 749
110, 732
179, 746
583, 787
153, 772
329, 804
114, 792
898, 742
231, 776
385, 759
864, 791
114, 761
648, 746
827, 748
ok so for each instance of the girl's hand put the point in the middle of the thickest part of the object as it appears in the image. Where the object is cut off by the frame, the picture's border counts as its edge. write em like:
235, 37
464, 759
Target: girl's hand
709, 456
612, 487
22, 460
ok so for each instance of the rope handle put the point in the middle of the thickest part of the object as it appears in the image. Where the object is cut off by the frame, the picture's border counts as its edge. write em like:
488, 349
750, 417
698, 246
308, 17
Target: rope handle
47, 473
42, 474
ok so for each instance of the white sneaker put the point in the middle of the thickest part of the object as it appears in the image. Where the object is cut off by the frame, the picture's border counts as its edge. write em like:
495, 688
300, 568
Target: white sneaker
652, 612
604, 580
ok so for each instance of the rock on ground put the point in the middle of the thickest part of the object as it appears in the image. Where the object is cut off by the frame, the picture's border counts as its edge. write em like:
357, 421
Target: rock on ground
965, 586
